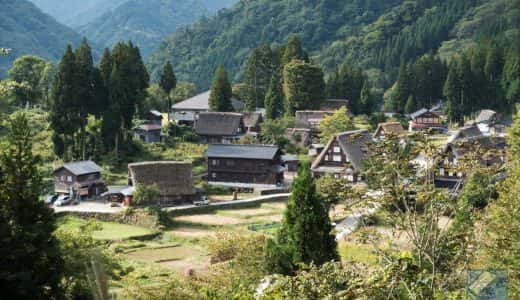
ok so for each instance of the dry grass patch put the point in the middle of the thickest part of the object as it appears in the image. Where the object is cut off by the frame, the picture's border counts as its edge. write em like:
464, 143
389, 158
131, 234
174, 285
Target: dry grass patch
191, 232
209, 219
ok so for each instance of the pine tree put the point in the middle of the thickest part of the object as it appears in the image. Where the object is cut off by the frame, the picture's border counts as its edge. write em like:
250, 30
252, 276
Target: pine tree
221, 93
452, 92
274, 98
168, 83
293, 50
260, 67
305, 235
106, 66
30, 262
366, 102
304, 87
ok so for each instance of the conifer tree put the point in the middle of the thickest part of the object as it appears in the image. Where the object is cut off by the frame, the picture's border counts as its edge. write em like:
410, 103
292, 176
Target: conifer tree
64, 120
305, 235
30, 262
221, 93
293, 50
274, 98
366, 102
260, 67
410, 105
304, 87
168, 83
402, 89
105, 66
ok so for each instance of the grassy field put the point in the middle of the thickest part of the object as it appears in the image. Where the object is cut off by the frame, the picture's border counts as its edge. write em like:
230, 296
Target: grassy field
109, 231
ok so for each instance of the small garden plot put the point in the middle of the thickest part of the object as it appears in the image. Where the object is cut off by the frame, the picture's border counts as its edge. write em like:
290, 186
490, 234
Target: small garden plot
209, 219
109, 231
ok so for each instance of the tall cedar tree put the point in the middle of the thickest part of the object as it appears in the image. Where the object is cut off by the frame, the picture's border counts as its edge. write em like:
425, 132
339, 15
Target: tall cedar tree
410, 105
347, 83
168, 83
274, 98
303, 87
366, 102
294, 50
402, 89
63, 119
305, 235
260, 67
85, 93
221, 93
30, 262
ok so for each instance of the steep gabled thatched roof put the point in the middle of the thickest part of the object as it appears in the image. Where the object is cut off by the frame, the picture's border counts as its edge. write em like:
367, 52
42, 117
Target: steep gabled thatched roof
389, 127
172, 177
218, 123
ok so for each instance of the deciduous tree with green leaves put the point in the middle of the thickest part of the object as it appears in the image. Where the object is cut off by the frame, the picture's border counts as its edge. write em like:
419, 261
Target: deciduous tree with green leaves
340, 121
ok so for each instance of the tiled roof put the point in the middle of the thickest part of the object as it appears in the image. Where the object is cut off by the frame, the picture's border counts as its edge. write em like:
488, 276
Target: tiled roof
242, 151
83, 167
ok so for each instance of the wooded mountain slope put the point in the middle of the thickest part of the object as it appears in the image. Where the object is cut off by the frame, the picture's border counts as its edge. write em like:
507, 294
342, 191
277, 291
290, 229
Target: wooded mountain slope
147, 22
371, 34
75, 13
27, 30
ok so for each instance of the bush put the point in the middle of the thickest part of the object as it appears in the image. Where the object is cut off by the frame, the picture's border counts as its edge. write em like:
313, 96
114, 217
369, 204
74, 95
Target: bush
146, 194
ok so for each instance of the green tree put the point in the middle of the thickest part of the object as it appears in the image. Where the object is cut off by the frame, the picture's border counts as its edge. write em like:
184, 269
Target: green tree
304, 87
183, 91
402, 89
410, 105
221, 92
168, 83
338, 122
366, 102
29, 69
274, 98
260, 68
305, 235
293, 50
31, 264
146, 195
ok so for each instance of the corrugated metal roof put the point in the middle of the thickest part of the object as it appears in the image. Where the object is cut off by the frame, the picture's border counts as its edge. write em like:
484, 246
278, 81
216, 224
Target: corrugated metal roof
83, 167
242, 151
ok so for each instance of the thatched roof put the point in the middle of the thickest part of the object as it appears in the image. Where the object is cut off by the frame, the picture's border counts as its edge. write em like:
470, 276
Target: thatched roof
333, 104
252, 119
310, 119
389, 127
299, 136
352, 143
486, 116
218, 123
467, 132
173, 178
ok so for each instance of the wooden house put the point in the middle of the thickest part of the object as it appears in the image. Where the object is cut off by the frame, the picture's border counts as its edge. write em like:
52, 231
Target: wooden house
425, 119
148, 133
299, 136
220, 127
244, 166
467, 132
310, 119
187, 111
480, 149
387, 128
343, 155
173, 178
252, 121
79, 179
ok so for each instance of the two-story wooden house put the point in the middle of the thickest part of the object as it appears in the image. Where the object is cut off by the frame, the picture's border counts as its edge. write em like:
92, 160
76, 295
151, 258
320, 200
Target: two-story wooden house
244, 166
425, 119
343, 155
79, 179
220, 127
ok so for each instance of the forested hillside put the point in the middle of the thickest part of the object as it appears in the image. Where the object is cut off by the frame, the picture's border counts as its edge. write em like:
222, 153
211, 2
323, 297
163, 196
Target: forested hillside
228, 37
75, 13
147, 22
27, 30
370, 34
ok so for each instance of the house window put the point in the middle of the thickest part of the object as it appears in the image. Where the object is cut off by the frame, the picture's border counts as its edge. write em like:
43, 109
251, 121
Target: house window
326, 157
337, 149
230, 163
459, 174
336, 158
213, 175
450, 174
62, 177
214, 162
350, 178
69, 178
441, 171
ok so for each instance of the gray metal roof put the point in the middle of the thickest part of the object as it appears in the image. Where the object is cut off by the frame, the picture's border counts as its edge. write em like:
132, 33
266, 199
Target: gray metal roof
242, 151
418, 113
485, 116
200, 102
83, 167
